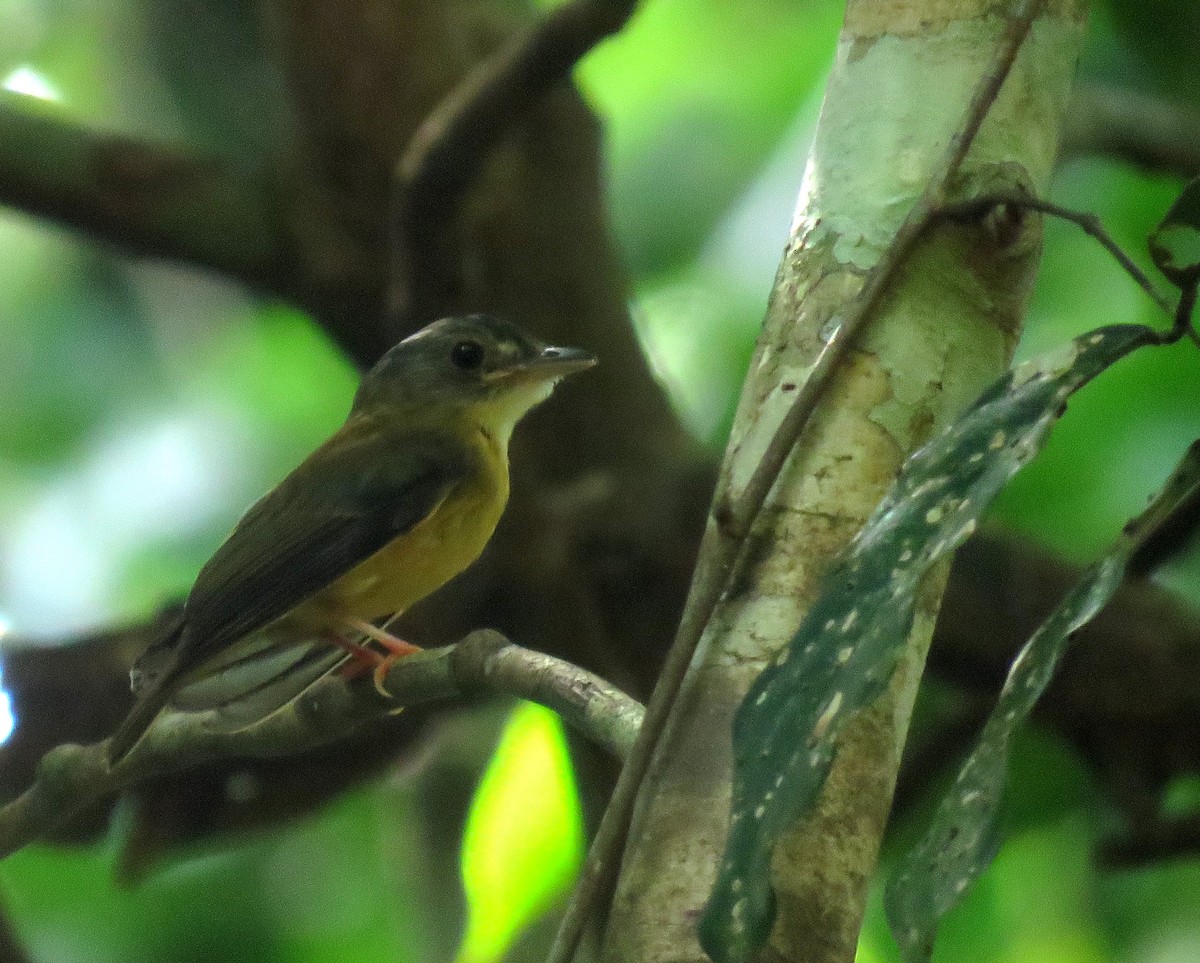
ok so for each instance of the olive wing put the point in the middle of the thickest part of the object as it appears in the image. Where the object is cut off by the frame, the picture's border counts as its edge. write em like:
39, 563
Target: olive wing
343, 504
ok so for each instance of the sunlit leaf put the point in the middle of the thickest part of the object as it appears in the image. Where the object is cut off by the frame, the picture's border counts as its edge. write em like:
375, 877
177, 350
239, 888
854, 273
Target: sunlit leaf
841, 659
961, 841
1175, 243
524, 838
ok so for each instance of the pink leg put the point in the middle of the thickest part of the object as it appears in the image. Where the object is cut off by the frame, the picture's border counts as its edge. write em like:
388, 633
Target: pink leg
361, 658
397, 649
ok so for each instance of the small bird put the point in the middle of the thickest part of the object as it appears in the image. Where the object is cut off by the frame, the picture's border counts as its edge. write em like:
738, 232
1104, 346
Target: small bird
400, 499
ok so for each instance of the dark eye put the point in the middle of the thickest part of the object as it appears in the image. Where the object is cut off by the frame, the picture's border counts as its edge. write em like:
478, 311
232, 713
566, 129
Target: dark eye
467, 355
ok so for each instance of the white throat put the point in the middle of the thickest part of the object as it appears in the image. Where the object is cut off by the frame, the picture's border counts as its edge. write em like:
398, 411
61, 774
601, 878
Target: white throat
501, 417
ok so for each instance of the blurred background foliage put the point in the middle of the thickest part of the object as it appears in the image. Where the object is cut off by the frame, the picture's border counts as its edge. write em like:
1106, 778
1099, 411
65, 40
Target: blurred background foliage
142, 406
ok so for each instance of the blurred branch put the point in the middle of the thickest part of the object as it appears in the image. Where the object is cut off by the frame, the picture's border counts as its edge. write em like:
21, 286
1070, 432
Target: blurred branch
154, 200
72, 777
1127, 694
447, 150
932, 752
1152, 841
1137, 726
161, 201
1132, 126
12, 950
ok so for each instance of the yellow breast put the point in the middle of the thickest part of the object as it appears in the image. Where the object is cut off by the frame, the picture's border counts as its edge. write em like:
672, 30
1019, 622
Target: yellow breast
423, 559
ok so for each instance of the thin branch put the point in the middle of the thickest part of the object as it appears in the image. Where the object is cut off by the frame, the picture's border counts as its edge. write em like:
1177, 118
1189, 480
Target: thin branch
452, 143
1181, 312
976, 207
71, 776
723, 540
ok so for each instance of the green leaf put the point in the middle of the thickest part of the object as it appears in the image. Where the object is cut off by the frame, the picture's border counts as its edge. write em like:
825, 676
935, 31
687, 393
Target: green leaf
961, 841
524, 838
1175, 243
840, 660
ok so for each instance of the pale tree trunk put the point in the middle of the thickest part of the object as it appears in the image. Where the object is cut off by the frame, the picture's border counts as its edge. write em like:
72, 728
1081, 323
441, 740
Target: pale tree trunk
902, 79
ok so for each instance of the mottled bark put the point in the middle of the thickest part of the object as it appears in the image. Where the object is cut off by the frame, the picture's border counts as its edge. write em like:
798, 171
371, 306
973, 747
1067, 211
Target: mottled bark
897, 94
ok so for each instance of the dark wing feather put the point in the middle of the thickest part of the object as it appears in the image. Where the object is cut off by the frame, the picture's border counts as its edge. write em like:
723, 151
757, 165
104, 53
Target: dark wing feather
333, 512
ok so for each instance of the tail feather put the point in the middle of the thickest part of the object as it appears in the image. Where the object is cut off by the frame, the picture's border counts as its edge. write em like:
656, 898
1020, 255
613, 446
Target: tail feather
129, 733
253, 686
151, 697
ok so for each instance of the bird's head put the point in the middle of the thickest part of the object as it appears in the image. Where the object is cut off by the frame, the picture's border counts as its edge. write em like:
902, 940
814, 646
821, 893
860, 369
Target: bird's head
476, 365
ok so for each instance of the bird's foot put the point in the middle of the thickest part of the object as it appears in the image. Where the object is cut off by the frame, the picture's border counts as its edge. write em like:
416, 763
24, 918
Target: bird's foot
397, 649
361, 658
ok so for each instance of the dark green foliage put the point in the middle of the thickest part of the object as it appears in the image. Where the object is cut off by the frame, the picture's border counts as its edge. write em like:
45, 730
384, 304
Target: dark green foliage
962, 840
1175, 243
842, 657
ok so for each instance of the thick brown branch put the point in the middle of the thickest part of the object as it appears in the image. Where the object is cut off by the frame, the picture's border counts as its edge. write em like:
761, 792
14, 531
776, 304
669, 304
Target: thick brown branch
163, 201
148, 199
450, 146
73, 777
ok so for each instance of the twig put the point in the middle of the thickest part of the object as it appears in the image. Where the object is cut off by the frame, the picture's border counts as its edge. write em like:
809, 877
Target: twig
976, 207
71, 776
1181, 312
452, 143
730, 522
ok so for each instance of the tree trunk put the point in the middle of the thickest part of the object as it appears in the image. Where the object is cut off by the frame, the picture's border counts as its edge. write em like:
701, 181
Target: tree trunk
902, 79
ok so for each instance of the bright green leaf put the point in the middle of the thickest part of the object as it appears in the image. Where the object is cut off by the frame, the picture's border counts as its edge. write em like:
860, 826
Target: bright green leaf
785, 732
962, 840
524, 838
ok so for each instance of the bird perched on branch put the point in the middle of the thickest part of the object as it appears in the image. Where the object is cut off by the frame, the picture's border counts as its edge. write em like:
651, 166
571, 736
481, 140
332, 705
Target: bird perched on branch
399, 500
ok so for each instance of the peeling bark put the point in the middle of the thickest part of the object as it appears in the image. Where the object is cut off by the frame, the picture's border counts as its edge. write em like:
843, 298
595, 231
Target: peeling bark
903, 75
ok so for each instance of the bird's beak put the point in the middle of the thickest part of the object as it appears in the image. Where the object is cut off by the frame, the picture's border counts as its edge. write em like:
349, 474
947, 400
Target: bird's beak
550, 365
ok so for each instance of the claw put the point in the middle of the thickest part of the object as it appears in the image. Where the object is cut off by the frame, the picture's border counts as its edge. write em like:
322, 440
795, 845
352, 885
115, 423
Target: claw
379, 676
397, 647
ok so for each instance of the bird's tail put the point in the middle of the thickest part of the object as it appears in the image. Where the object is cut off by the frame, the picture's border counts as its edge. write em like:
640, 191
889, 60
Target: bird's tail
151, 698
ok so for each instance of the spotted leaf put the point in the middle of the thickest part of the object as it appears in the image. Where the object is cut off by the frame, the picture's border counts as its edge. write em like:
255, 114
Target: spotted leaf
1175, 243
961, 841
842, 657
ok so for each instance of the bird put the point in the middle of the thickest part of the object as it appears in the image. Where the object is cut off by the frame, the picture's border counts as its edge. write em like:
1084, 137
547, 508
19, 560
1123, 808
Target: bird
399, 500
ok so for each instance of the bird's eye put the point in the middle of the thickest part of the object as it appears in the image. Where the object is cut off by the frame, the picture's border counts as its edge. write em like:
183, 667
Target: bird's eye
467, 355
